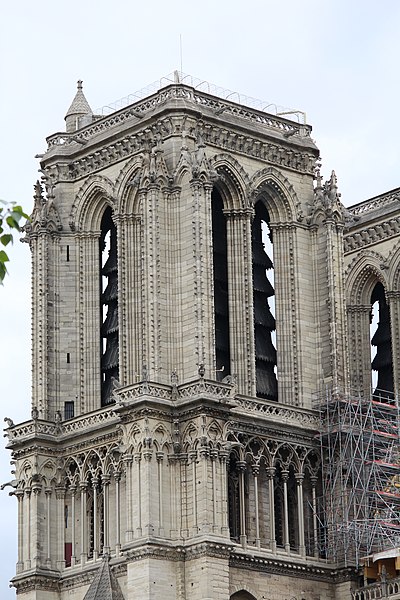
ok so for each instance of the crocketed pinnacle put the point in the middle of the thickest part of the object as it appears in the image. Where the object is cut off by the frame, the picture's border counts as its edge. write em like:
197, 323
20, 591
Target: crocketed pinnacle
104, 585
79, 108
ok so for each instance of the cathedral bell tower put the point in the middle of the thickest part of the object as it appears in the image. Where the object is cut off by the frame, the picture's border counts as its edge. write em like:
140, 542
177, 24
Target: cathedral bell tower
186, 273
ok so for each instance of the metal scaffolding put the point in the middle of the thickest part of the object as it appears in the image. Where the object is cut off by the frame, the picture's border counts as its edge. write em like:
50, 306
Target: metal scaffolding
359, 440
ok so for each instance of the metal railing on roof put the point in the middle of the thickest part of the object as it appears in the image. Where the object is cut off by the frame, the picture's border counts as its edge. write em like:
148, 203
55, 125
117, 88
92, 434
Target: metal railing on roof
201, 85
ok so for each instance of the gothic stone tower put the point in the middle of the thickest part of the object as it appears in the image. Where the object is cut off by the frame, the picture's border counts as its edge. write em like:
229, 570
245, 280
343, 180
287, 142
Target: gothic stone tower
171, 452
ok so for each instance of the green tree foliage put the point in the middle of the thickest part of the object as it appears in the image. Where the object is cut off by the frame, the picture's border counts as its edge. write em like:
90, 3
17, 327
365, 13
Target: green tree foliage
10, 217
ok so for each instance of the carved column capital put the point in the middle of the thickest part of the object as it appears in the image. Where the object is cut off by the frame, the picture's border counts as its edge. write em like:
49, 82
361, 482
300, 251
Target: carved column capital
285, 475
214, 455
299, 478
19, 494
105, 480
271, 472
60, 491
192, 455
224, 455
238, 214
36, 488
128, 458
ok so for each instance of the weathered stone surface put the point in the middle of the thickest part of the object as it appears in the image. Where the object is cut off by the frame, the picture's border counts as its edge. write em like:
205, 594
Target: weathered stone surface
191, 484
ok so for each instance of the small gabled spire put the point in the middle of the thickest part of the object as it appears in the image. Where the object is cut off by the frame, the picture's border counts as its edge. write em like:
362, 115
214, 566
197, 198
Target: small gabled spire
105, 585
79, 108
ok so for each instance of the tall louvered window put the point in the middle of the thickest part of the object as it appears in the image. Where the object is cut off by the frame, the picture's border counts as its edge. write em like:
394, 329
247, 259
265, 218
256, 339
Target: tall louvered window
220, 287
263, 296
109, 307
382, 362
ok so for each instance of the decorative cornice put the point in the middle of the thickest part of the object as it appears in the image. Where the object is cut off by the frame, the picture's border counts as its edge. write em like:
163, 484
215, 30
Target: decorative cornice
46, 430
72, 580
156, 551
276, 412
216, 550
36, 581
371, 235
275, 151
284, 434
375, 203
189, 95
288, 568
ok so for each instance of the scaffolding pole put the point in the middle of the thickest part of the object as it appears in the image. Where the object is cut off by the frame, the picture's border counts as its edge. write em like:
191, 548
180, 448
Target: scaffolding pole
359, 441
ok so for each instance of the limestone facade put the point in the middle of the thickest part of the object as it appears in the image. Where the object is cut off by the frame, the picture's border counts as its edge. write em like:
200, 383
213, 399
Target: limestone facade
166, 431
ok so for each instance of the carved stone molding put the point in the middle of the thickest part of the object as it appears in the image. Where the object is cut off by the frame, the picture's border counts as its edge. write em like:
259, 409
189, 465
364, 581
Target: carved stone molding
376, 203
297, 157
156, 551
281, 566
371, 235
273, 411
177, 92
37, 581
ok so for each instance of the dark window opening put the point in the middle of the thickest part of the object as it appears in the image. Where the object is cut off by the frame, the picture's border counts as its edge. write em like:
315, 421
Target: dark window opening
67, 253
67, 553
69, 410
264, 321
109, 307
381, 342
221, 307
68, 357
233, 499
93, 522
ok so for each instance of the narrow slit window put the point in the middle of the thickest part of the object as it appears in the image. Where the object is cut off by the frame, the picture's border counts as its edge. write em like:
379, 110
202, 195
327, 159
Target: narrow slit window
69, 410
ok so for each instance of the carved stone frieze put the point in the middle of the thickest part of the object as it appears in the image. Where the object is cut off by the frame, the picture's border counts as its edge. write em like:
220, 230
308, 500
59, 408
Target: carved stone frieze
281, 566
139, 110
77, 580
282, 414
37, 581
374, 204
299, 159
371, 235
156, 551
281, 434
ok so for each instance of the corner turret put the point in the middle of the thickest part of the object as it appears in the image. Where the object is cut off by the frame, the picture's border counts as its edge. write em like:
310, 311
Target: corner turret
79, 113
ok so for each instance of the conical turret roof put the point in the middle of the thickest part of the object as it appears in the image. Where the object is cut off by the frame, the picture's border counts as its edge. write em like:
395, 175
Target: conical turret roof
79, 106
104, 585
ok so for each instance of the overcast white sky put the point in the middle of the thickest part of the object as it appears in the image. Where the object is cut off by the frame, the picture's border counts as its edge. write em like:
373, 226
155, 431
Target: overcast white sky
337, 60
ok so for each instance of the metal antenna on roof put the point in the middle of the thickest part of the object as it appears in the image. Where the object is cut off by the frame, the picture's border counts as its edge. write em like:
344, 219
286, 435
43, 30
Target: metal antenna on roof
180, 47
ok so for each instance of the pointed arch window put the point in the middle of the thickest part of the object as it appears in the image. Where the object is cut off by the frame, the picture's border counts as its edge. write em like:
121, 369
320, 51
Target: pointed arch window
263, 298
109, 307
381, 344
221, 306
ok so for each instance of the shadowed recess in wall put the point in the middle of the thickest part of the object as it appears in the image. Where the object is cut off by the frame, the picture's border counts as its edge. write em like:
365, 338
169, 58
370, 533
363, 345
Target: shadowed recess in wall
264, 322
